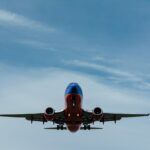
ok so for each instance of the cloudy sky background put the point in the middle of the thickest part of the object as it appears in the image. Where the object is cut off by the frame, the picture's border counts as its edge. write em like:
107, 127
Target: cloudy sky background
102, 45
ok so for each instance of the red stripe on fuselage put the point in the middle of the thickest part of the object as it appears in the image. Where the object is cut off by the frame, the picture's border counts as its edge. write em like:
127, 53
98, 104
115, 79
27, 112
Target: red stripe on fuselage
73, 111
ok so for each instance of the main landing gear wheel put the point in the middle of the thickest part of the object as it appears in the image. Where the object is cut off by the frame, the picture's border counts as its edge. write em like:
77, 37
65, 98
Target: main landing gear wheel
87, 127
60, 127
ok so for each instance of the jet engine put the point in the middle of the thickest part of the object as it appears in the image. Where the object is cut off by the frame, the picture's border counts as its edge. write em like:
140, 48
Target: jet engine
97, 111
49, 111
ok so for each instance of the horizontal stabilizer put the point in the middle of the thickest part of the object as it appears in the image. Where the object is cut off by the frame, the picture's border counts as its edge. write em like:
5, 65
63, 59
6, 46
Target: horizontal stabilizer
91, 128
65, 128
55, 128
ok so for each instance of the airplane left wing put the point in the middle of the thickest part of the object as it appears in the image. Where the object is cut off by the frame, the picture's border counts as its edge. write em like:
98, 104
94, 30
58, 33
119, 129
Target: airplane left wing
90, 117
118, 116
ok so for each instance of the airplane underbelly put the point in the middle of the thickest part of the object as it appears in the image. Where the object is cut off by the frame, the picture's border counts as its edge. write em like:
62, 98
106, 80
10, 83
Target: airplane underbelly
73, 127
74, 121
73, 112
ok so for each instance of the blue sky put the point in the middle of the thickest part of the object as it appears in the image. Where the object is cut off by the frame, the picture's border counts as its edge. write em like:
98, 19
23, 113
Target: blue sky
102, 45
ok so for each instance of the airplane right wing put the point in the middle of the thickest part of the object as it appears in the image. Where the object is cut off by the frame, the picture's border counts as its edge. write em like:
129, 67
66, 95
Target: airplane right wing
31, 117
57, 117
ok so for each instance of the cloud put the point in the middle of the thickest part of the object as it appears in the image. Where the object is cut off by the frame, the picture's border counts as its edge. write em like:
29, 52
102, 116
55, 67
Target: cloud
117, 75
25, 84
14, 19
37, 44
105, 60
102, 68
32, 90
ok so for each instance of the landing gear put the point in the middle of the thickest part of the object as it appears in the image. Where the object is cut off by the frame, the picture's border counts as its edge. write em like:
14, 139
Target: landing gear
87, 127
60, 127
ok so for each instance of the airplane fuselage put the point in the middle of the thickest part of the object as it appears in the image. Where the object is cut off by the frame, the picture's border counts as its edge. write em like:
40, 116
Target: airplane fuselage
73, 107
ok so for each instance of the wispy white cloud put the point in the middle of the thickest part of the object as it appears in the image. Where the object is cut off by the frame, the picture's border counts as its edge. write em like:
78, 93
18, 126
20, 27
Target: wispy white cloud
14, 19
37, 44
32, 90
103, 68
104, 59
115, 74
25, 84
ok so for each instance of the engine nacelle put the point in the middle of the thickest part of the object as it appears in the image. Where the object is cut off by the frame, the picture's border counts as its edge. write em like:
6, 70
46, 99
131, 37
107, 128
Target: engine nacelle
49, 111
97, 111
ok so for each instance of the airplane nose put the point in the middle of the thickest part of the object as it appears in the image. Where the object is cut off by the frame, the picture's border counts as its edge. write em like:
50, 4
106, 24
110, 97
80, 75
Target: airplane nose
74, 90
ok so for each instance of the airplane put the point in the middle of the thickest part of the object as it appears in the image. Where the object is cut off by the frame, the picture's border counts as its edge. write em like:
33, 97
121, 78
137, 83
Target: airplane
73, 117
